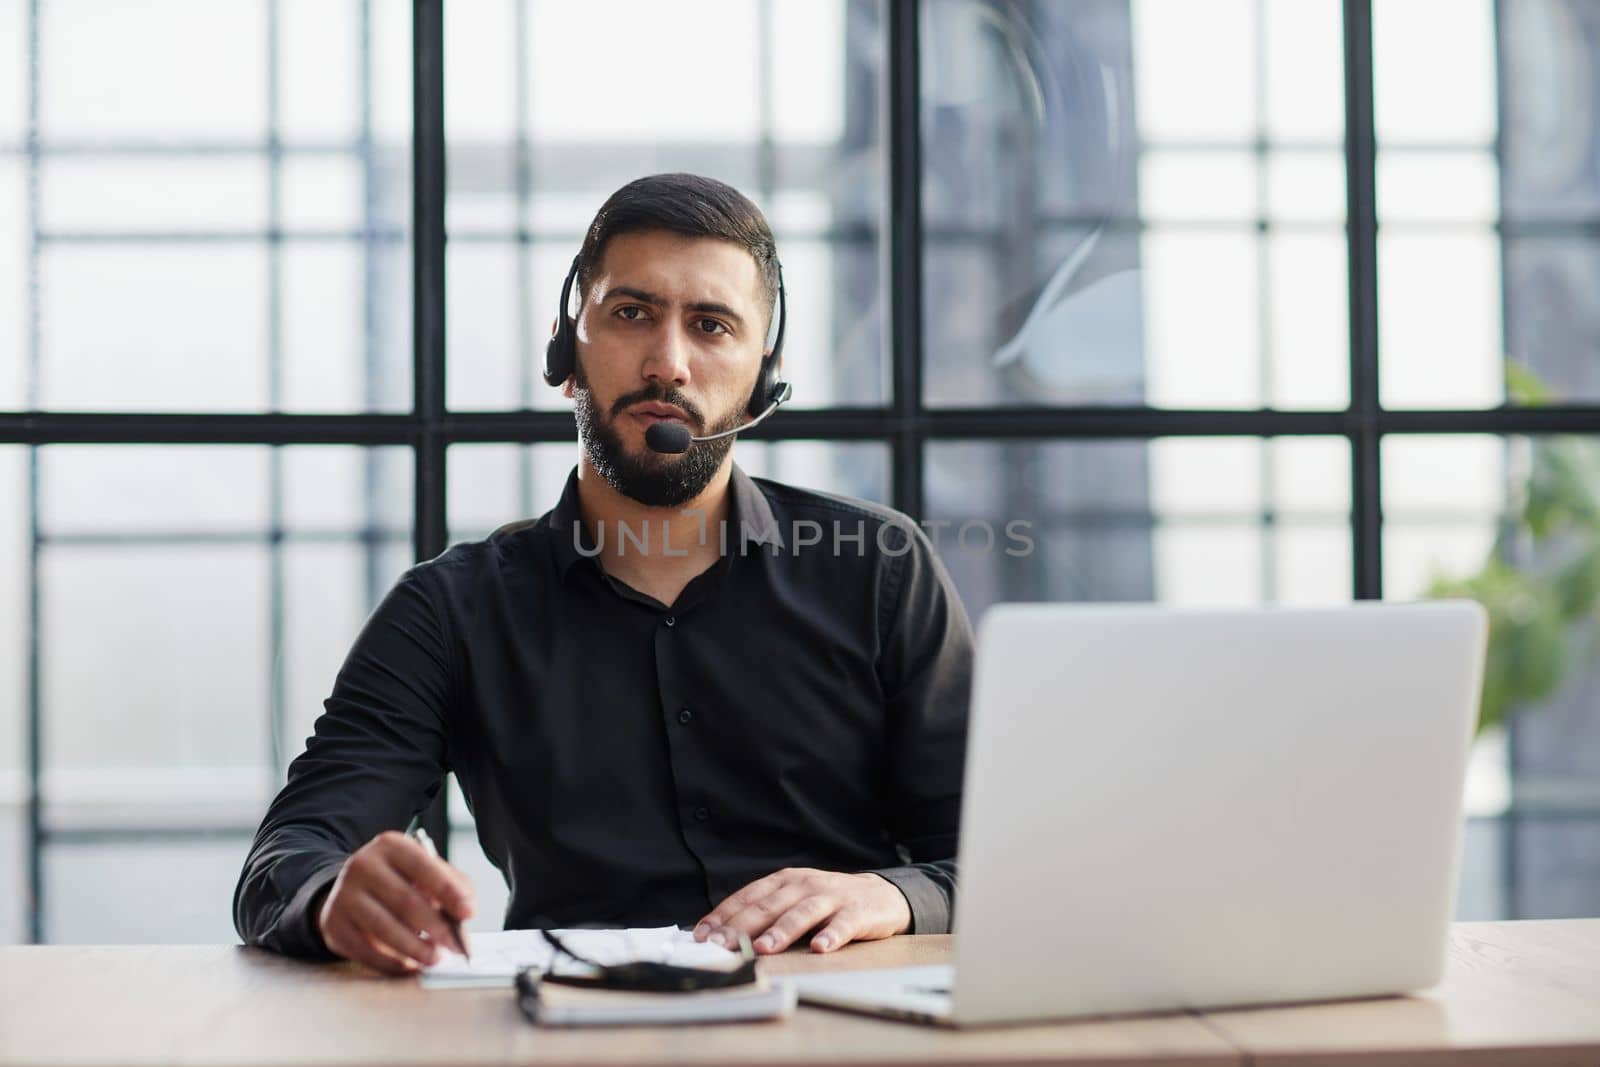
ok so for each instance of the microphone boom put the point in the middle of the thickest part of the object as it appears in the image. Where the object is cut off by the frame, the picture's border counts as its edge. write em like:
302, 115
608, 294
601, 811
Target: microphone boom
673, 439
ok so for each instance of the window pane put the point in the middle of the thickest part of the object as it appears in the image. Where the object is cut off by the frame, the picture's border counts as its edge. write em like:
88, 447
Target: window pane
346, 327
1553, 312
13, 73
496, 356
1437, 187
158, 565
175, 328
173, 892
322, 192
1487, 139
491, 485
152, 195
1439, 323
1558, 866
1308, 333
1453, 40
216, 303
798, 135
13, 872
858, 469
1104, 197
1480, 896
1551, 187
14, 302
14, 590
1550, 55
186, 328
1194, 66
1551, 184
170, 722
14, 549
1198, 186
336, 489
120, 489
483, 53
319, 42
1304, 90
1511, 523
1179, 521
1203, 295
324, 330
1307, 186
130, 71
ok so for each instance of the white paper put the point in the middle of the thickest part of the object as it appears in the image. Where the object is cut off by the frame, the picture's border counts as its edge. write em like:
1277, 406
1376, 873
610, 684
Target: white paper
497, 956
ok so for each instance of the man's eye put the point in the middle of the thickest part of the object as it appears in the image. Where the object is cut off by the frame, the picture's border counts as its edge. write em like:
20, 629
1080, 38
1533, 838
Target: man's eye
712, 326
631, 313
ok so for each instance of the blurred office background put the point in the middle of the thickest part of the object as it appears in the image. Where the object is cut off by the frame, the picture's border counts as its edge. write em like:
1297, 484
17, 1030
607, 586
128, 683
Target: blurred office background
1164, 316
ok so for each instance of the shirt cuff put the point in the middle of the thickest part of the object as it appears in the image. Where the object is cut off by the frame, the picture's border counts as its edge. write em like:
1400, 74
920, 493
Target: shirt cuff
299, 921
930, 907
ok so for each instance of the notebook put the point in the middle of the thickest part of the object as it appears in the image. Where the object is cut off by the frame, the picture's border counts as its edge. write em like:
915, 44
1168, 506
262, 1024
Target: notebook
497, 956
553, 1004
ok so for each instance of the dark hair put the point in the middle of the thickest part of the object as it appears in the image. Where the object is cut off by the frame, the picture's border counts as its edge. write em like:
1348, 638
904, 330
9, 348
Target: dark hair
686, 204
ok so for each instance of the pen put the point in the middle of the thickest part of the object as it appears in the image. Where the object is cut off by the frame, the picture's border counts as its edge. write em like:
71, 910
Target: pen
420, 836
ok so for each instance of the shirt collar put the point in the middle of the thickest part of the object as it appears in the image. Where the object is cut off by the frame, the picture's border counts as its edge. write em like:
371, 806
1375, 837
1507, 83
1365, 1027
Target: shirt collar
749, 515
566, 527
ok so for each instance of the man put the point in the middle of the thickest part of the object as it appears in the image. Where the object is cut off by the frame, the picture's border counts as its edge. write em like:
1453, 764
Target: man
683, 696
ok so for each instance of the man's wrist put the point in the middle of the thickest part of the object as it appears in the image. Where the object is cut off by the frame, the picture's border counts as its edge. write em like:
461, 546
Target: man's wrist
899, 894
318, 900
305, 910
930, 905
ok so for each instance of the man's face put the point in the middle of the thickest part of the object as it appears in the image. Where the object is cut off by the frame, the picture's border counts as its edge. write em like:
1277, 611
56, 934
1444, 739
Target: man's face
671, 329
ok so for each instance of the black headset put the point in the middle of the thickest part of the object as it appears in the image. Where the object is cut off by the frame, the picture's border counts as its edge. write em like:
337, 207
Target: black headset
561, 353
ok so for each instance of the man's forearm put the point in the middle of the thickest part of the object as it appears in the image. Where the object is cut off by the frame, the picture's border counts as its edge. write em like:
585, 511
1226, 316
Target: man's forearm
286, 876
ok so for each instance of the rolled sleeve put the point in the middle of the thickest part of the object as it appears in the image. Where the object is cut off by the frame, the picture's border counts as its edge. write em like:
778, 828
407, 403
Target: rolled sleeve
929, 893
925, 667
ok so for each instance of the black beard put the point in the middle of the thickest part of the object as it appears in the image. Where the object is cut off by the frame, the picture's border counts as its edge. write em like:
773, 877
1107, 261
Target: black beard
653, 479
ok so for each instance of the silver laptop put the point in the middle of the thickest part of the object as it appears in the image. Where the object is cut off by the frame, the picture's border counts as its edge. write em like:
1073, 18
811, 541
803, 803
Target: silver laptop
1171, 809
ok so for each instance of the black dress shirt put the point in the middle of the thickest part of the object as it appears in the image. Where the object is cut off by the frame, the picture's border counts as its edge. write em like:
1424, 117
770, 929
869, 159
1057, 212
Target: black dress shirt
633, 763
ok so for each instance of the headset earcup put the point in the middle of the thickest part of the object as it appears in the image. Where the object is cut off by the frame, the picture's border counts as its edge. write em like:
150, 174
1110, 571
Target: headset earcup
761, 394
559, 358
561, 351
767, 382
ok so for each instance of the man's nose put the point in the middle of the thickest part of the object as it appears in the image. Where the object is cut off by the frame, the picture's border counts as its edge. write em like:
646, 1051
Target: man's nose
668, 361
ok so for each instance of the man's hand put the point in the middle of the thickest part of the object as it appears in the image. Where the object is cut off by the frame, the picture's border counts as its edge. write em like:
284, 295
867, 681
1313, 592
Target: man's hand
779, 909
388, 895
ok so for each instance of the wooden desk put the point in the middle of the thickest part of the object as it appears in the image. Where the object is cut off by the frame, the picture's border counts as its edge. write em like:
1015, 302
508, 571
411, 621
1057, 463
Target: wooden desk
1516, 993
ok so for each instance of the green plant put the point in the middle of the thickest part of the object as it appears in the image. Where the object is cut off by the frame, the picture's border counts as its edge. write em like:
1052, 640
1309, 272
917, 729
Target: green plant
1536, 612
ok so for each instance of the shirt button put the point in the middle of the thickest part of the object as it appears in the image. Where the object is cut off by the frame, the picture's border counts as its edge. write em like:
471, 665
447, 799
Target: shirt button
701, 814
684, 716
670, 620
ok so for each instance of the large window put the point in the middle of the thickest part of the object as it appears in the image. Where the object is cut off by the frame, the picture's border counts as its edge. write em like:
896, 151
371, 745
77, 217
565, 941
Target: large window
1215, 298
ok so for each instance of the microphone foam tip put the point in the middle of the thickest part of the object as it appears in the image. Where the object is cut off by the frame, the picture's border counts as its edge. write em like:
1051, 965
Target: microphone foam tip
669, 438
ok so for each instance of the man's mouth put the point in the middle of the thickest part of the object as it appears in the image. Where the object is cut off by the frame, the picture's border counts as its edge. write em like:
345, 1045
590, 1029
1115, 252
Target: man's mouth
652, 413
